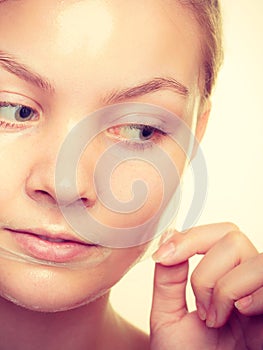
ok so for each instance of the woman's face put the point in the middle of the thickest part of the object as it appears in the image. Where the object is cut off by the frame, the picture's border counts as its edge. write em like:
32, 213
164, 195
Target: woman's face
59, 62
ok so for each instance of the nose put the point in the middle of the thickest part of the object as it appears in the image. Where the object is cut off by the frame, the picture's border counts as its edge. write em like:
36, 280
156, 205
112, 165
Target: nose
41, 185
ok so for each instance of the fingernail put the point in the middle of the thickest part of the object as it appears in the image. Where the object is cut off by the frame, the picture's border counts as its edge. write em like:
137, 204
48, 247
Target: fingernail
201, 311
243, 303
165, 253
211, 317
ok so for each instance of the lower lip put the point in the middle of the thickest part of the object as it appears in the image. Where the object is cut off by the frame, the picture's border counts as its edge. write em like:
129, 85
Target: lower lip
59, 252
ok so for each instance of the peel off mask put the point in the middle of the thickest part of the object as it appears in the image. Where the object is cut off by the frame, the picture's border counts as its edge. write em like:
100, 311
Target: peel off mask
135, 174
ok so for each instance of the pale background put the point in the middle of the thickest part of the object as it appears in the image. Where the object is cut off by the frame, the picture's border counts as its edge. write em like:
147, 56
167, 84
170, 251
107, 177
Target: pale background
233, 148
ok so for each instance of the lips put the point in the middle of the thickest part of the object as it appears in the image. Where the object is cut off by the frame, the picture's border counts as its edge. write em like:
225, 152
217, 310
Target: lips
50, 246
49, 239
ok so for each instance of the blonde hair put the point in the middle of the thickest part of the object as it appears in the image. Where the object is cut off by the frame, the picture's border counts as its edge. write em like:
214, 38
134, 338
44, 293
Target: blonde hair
208, 15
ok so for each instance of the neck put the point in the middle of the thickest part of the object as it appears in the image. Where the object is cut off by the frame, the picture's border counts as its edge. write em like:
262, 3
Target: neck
74, 329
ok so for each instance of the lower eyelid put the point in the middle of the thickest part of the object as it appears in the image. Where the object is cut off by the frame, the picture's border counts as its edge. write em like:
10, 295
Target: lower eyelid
18, 125
12, 126
137, 145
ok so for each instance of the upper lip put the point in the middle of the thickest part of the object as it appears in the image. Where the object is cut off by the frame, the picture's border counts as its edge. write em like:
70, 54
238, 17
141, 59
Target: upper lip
52, 234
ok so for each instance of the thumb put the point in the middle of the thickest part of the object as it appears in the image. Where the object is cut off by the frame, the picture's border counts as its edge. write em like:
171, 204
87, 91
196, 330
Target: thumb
169, 295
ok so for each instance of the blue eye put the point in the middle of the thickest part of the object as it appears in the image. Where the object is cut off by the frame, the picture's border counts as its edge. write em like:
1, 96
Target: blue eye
16, 113
24, 113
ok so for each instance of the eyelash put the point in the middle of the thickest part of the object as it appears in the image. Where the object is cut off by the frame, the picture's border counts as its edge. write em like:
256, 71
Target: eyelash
141, 145
19, 124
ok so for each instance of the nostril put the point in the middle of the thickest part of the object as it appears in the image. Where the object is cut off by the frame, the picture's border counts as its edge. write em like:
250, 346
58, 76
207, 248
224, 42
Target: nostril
44, 197
42, 193
86, 202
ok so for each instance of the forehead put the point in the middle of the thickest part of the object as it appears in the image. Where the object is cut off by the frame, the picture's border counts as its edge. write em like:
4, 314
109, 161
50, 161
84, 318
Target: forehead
101, 37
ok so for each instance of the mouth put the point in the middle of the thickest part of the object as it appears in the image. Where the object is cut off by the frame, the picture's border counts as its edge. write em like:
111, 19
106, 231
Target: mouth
59, 247
54, 240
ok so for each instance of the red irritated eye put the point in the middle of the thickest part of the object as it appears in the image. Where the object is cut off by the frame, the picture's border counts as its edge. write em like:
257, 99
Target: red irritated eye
135, 133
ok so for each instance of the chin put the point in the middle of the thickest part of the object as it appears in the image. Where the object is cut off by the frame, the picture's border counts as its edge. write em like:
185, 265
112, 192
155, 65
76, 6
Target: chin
46, 306
51, 290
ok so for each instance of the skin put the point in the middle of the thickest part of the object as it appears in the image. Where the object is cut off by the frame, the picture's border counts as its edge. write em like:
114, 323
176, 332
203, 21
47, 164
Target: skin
69, 54
59, 111
229, 306
73, 44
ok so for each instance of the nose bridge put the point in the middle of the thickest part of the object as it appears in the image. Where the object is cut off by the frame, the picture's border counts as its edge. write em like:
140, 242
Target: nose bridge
74, 181
49, 141
69, 172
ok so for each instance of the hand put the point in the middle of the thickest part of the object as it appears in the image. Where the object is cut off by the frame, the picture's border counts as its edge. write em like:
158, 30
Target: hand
228, 287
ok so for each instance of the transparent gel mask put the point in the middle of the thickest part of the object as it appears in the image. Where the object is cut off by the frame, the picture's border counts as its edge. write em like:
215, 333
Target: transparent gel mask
116, 152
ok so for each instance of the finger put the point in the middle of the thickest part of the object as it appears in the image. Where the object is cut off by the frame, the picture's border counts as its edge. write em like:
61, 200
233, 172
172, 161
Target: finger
233, 249
251, 305
245, 280
198, 240
169, 295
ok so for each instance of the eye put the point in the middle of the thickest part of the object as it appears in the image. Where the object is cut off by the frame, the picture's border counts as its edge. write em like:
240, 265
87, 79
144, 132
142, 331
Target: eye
136, 133
146, 132
24, 113
16, 115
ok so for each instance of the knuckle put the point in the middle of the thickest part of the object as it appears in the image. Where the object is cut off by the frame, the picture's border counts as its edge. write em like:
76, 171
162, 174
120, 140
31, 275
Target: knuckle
223, 293
231, 226
221, 289
236, 238
242, 245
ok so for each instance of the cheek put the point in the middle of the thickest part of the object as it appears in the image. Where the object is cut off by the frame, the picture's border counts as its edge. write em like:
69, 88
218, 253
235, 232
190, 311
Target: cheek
13, 163
144, 185
133, 178
137, 188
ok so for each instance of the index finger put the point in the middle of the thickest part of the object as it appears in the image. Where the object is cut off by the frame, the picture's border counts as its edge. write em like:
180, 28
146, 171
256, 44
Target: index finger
198, 240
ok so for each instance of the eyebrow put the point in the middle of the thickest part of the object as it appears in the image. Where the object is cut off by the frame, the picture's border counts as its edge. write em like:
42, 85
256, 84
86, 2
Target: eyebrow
10, 64
153, 85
